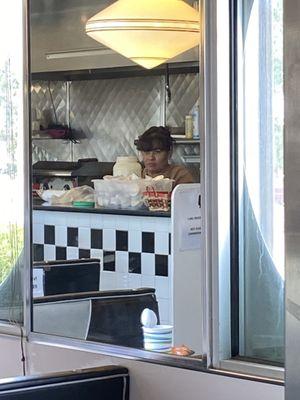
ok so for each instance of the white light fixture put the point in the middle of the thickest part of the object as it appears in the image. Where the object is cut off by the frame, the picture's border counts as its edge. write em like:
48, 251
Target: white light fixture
148, 32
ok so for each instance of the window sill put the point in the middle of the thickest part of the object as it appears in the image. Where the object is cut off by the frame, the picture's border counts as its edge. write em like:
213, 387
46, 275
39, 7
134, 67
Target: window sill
233, 369
254, 371
197, 364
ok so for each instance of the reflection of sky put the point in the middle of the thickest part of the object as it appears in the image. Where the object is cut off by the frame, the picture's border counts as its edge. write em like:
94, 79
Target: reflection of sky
11, 48
252, 138
10, 31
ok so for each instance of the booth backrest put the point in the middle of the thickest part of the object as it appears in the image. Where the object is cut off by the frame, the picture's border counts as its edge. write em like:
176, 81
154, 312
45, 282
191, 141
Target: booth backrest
69, 276
112, 316
103, 383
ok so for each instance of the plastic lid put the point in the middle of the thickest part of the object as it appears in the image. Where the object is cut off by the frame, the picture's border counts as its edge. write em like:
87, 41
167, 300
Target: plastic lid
88, 204
127, 159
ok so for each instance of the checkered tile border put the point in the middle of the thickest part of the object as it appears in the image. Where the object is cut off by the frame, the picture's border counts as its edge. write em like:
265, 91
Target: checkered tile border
119, 250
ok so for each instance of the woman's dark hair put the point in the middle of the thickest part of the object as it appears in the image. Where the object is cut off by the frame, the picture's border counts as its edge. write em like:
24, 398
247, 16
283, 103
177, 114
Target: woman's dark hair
156, 137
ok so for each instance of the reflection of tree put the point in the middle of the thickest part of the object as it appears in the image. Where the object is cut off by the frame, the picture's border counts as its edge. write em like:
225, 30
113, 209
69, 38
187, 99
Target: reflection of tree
277, 50
9, 116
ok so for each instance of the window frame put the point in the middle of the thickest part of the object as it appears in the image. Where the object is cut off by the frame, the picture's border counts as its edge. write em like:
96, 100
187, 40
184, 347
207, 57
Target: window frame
210, 177
114, 350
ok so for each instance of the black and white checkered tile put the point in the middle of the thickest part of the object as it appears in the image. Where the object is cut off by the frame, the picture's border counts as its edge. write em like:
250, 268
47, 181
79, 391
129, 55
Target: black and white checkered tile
120, 251
134, 251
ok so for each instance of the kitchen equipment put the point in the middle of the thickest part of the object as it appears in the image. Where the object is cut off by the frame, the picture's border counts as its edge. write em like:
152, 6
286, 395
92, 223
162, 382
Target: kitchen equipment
61, 175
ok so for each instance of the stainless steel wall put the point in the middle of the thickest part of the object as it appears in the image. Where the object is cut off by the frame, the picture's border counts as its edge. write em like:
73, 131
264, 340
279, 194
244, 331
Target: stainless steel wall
111, 113
292, 194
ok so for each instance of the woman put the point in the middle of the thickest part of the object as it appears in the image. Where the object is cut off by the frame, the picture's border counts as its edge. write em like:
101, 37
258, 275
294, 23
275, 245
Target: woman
156, 145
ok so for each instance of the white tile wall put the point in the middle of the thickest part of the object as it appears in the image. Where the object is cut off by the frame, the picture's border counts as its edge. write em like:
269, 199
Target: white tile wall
109, 239
135, 241
135, 281
122, 281
72, 253
61, 235
148, 264
162, 286
148, 281
122, 262
49, 252
161, 243
164, 311
38, 233
108, 280
84, 238
96, 221
98, 253
122, 224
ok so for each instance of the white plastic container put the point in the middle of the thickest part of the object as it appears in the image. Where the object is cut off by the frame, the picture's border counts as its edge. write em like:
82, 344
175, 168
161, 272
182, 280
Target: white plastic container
125, 166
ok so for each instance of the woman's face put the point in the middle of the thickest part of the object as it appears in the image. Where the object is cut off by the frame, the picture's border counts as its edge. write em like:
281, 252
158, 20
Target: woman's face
156, 160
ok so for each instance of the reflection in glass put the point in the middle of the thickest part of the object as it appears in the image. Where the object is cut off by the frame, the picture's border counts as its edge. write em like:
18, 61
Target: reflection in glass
261, 232
11, 163
75, 295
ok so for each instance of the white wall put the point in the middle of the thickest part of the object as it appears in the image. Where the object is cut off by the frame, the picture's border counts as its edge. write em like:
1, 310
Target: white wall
148, 381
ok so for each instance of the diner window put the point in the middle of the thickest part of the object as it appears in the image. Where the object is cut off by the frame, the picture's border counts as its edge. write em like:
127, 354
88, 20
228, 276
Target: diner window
257, 215
11, 164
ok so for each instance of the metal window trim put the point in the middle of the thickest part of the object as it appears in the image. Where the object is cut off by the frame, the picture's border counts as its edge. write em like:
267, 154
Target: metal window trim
148, 356
197, 364
27, 270
208, 89
275, 374
10, 329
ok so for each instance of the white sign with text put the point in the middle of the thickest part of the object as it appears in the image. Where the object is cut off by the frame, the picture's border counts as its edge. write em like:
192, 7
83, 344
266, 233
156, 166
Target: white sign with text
38, 282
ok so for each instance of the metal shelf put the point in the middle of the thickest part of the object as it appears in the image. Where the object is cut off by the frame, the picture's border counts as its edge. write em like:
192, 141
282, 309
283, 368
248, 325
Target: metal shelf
191, 159
185, 141
41, 135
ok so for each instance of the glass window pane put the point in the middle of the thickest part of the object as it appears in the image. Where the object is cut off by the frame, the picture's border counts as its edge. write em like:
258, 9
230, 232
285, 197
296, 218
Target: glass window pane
261, 233
11, 163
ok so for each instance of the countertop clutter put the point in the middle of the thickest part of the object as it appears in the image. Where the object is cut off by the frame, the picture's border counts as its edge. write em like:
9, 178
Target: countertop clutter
39, 204
116, 192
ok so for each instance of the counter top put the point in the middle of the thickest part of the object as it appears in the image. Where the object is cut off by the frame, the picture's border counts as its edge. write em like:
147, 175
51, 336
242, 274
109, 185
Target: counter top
42, 206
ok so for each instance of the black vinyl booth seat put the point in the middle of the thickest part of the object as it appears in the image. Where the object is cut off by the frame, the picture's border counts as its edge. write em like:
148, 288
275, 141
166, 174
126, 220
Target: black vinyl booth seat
71, 276
102, 383
111, 316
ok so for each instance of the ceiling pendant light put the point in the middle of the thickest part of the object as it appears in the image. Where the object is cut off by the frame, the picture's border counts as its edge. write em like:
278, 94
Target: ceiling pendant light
148, 32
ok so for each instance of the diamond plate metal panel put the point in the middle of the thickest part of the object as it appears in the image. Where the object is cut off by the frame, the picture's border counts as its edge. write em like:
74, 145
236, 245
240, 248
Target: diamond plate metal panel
185, 93
42, 110
112, 113
41, 102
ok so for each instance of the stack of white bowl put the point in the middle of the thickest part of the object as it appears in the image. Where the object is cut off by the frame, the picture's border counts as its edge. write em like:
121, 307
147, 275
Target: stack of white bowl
156, 337
159, 338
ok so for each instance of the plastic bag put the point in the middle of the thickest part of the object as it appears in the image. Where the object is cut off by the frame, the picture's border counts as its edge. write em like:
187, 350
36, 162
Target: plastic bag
80, 193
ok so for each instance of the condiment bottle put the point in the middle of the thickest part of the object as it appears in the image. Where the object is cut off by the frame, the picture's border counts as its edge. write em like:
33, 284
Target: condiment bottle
189, 127
195, 115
